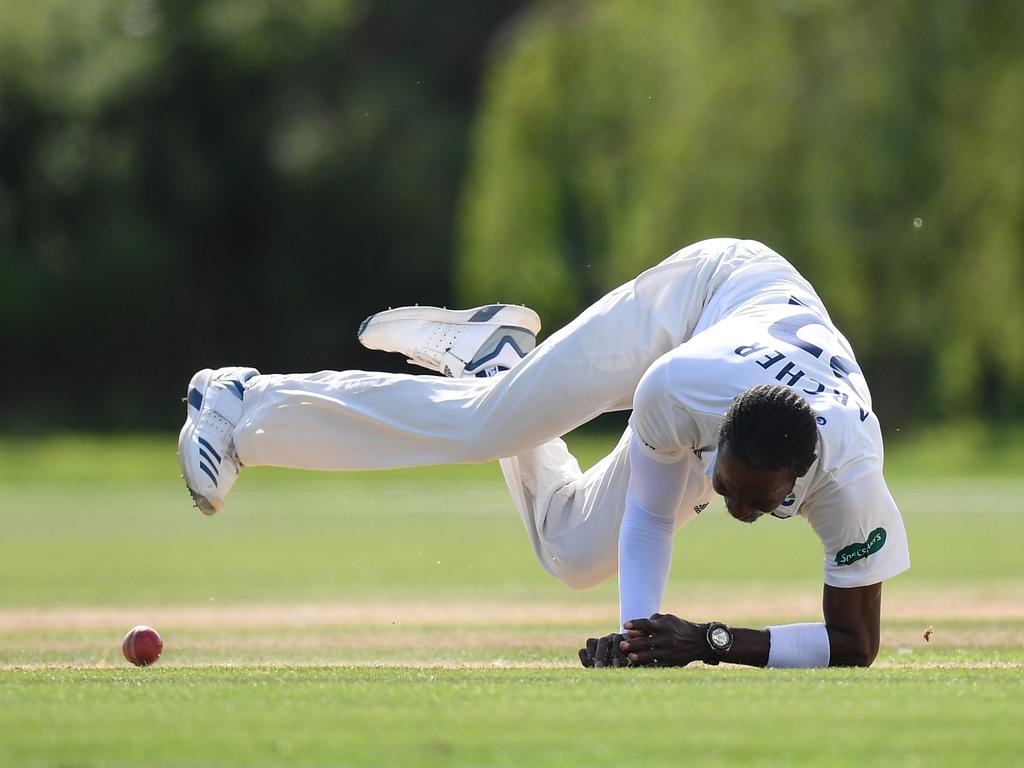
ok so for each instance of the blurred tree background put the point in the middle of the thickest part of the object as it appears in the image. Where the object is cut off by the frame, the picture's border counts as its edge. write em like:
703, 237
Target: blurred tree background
199, 182
186, 183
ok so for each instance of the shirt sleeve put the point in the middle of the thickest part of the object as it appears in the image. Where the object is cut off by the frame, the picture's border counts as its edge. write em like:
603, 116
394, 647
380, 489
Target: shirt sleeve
859, 525
663, 425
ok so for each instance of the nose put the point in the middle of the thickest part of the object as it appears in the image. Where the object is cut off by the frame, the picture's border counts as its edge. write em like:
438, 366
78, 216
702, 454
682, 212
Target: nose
746, 513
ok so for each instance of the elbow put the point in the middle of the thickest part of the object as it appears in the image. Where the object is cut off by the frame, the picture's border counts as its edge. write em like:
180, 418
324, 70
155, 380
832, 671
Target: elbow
854, 660
865, 660
852, 649
857, 655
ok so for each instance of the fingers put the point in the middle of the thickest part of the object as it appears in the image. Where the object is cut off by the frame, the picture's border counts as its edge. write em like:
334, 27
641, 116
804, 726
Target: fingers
618, 658
618, 650
647, 658
587, 654
644, 650
604, 652
638, 642
645, 625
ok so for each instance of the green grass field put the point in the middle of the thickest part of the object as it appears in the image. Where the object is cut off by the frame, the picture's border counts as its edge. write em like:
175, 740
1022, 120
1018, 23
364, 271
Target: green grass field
400, 619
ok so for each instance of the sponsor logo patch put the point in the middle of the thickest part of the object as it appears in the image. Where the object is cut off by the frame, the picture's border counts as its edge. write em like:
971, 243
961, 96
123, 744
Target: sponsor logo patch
859, 550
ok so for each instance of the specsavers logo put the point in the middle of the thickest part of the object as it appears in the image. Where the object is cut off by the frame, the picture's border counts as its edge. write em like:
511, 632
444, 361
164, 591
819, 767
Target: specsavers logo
859, 550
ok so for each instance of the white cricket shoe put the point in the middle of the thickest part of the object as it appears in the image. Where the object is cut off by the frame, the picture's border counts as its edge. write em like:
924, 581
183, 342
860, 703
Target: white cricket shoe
206, 448
472, 342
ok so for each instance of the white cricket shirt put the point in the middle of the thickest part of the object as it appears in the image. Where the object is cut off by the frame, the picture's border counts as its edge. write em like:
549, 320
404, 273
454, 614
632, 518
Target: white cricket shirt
755, 331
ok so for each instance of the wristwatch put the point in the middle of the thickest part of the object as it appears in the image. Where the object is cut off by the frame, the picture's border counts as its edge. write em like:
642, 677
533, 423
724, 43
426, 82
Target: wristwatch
719, 640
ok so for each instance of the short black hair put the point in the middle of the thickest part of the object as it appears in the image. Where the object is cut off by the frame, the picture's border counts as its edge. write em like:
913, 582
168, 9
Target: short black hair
771, 426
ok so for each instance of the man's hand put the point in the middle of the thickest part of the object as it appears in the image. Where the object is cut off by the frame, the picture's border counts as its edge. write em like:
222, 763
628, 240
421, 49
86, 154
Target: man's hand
604, 652
663, 641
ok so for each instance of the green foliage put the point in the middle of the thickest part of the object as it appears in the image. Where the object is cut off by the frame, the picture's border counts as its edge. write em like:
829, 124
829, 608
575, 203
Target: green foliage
193, 182
874, 144
206, 181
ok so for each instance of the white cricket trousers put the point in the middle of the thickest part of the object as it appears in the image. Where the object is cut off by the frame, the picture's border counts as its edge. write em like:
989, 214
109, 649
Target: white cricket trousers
359, 420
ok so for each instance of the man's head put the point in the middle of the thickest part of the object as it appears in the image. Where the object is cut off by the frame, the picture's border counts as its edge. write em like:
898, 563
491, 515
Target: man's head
767, 440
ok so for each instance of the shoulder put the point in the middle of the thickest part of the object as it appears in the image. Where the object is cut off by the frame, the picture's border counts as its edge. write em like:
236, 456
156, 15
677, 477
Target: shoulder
696, 376
673, 409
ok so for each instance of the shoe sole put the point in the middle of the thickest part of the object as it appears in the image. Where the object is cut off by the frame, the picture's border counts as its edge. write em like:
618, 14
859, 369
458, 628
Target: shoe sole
200, 382
492, 314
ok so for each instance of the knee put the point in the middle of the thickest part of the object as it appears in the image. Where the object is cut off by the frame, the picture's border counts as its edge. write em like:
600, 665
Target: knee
578, 575
577, 580
479, 447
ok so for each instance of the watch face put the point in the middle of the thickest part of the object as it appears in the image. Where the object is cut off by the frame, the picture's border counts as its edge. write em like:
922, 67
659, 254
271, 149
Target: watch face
720, 637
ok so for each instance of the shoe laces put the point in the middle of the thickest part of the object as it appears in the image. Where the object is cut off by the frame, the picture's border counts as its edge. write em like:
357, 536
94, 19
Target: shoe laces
212, 422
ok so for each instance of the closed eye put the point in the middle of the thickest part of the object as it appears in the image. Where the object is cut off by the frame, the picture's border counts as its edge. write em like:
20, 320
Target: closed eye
766, 507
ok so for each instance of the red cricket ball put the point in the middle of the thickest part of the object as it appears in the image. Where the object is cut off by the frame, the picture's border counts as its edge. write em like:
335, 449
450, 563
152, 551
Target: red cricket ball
142, 645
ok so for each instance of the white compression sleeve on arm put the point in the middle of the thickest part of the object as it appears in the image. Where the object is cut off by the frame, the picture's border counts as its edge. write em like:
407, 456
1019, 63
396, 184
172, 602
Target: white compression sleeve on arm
799, 645
645, 554
645, 538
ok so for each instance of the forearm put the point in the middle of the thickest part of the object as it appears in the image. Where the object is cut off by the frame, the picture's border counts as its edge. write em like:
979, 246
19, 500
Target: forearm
798, 645
645, 536
645, 555
849, 637
749, 647
784, 646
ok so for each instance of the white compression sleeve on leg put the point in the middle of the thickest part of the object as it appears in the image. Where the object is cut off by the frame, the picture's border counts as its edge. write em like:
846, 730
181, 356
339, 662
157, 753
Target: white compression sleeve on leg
645, 538
799, 645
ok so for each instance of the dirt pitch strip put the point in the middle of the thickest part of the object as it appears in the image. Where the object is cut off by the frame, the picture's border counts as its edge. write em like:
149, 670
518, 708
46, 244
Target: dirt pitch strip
925, 606
461, 634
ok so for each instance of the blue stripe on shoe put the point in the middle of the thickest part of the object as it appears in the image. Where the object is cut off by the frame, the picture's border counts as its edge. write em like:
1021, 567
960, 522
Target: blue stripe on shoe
206, 456
209, 447
362, 326
497, 351
239, 390
486, 373
195, 398
485, 313
206, 469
